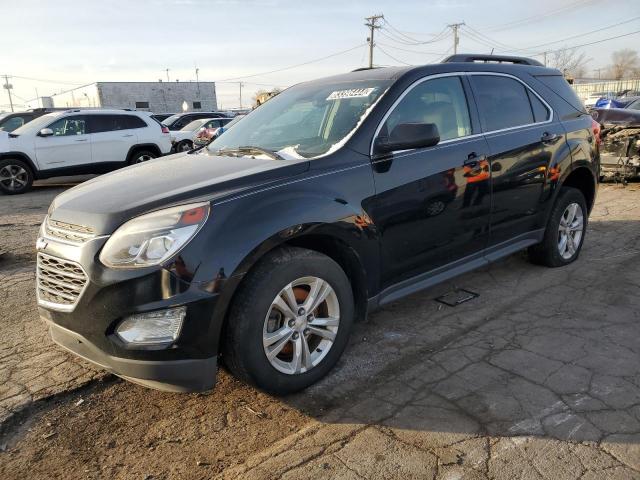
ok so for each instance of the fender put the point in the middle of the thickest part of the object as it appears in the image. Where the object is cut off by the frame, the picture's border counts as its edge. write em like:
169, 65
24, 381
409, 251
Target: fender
24, 157
242, 230
148, 146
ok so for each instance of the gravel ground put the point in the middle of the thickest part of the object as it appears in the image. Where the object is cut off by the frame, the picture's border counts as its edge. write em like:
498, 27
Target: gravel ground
539, 377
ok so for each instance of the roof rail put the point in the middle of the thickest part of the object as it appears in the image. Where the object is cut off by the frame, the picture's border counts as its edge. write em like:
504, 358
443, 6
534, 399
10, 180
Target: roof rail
470, 58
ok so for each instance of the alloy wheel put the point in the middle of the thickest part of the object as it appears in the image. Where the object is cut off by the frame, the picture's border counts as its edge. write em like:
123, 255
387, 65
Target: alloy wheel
301, 325
14, 177
143, 158
570, 231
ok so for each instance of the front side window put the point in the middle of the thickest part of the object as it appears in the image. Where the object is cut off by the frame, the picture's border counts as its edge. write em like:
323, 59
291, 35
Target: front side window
69, 126
502, 102
306, 120
441, 101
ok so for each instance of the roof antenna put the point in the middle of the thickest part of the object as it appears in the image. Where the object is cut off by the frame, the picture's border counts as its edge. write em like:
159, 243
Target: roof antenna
492, 51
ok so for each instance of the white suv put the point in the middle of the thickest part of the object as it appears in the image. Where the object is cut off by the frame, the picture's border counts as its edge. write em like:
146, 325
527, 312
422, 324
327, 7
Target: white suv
75, 142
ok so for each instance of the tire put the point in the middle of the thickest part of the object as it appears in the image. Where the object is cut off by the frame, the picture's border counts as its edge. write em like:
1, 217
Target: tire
550, 251
141, 156
184, 146
253, 316
16, 177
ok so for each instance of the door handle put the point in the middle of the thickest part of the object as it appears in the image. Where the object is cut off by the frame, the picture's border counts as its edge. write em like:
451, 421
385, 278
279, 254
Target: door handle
549, 137
473, 159
82, 140
130, 135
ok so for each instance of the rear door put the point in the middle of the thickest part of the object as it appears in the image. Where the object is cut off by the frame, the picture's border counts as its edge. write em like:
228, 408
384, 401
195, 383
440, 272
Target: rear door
432, 204
111, 138
523, 138
69, 146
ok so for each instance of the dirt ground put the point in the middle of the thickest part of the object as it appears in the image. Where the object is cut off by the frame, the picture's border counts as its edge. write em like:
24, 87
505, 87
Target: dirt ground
537, 378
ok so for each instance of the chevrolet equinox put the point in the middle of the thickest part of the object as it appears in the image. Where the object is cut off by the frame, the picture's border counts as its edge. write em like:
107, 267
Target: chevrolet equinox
333, 198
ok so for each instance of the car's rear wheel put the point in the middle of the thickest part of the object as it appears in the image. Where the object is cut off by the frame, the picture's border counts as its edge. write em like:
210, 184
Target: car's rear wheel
290, 321
184, 146
141, 156
15, 177
565, 231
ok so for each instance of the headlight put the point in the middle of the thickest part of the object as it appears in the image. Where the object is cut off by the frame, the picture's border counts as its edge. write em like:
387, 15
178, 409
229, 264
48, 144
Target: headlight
155, 237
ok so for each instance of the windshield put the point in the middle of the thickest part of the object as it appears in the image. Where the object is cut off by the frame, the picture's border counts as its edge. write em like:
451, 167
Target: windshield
190, 127
304, 121
169, 120
37, 124
635, 105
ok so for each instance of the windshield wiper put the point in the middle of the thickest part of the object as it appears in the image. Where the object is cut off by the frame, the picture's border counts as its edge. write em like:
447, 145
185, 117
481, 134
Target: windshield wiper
251, 148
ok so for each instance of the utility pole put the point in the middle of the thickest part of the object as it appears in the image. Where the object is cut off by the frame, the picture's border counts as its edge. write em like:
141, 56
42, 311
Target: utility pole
198, 81
545, 58
240, 84
456, 39
8, 87
372, 23
598, 70
167, 71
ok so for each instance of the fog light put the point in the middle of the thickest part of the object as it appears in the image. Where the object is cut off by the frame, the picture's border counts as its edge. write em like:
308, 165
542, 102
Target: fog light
153, 328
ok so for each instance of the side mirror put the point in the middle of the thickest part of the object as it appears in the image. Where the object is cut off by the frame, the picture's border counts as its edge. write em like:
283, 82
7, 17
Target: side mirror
45, 132
406, 136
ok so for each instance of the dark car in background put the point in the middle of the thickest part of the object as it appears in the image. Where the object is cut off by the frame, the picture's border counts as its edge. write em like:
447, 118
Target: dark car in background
161, 116
180, 120
334, 198
11, 121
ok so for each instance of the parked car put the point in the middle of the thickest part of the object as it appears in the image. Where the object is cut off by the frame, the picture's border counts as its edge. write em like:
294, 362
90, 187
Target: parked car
213, 128
160, 117
333, 198
10, 121
183, 139
180, 120
620, 146
593, 98
78, 142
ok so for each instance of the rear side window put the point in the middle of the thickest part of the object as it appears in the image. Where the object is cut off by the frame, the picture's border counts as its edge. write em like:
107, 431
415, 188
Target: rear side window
540, 112
503, 102
131, 121
561, 87
112, 123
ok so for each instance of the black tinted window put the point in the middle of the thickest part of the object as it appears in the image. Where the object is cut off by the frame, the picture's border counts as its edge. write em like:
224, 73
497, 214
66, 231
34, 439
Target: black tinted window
540, 111
111, 123
75, 125
502, 102
131, 121
561, 87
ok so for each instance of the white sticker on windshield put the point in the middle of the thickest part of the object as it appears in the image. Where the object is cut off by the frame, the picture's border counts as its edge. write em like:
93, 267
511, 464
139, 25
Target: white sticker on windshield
351, 93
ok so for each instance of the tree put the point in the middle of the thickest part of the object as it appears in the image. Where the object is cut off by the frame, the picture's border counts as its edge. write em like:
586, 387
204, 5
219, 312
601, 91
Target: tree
570, 62
624, 63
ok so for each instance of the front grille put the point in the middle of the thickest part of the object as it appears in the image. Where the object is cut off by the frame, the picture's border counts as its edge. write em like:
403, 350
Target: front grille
68, 231
60, 282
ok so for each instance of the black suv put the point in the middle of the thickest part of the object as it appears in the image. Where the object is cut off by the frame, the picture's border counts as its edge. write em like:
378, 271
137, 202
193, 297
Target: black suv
335, 197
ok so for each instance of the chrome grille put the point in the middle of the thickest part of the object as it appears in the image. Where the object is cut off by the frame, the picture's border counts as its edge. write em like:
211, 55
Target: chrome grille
68, 231
60, 282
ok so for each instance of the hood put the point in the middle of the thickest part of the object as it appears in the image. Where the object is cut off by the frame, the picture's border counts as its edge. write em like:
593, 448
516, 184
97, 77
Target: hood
108, 201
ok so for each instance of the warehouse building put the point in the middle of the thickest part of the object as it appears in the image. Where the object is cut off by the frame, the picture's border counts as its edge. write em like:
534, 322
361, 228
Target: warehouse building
157, 97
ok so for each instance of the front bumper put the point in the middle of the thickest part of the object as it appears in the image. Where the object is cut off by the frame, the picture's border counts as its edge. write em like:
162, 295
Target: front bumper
173, 376
87, 329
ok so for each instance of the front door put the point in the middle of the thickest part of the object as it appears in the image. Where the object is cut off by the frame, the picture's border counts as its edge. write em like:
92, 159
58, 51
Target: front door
69, 146
432, 204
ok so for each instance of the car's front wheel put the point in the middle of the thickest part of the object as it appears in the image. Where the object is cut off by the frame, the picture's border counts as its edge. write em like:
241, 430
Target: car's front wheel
15, 177
565, 231
290, 321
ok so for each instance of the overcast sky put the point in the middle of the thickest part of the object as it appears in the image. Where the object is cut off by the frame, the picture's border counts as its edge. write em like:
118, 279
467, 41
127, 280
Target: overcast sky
77, 42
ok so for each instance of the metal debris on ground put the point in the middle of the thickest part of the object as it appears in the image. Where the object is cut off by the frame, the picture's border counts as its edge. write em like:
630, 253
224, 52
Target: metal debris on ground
456, 297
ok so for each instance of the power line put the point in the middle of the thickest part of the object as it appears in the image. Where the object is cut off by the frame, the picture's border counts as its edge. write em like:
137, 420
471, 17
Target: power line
293, 66
392, 57
593, 43
540, 16
420, 52
46, 81
575, 36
